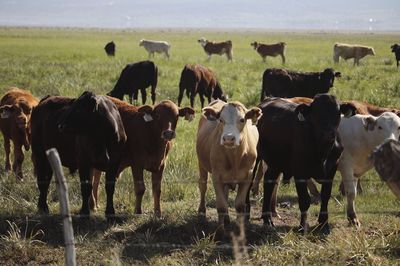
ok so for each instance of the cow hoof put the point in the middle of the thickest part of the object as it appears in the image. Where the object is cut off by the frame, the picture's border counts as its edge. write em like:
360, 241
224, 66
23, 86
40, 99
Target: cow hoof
269, 223
323, 228
227, 220
303, 229
157, 214
276, 215
43, 211
354, 222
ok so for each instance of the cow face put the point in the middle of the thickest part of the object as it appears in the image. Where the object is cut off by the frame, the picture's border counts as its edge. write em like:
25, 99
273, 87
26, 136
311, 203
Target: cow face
324, 114
395, 47
386, 126
141, 42
371, 51
164, 117
232, 119
328, 78
202, 41
254, 44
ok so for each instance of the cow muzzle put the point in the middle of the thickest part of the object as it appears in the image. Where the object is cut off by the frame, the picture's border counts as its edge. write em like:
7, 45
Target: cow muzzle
168, 134
229, 140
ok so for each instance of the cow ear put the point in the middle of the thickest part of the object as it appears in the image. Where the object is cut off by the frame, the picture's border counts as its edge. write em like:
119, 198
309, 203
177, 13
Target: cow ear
348, 109
338, 74
147, 112
187, 112
6, 111
210, 113
254, 114
302, 112
369, 123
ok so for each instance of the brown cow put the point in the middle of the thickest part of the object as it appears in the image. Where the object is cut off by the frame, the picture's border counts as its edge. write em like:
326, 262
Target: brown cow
347, 51
219, 48
202, 80
226, 148
15, 112
274, 49
150, 131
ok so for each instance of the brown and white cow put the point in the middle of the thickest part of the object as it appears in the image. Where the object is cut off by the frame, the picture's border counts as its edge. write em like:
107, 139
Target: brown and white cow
274, 49
15, 112
218, 48
347, 51
150, 132
226, 148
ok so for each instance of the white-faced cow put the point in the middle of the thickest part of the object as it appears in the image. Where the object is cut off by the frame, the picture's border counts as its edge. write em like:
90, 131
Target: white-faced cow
218, 48
274, 49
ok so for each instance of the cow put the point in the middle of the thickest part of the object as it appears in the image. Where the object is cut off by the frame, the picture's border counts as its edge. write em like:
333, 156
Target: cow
274, 49
155, 47
218, 48
226, 148
301, 140
15, 112
150, 132
87, 133
202, 80
396, 50
347, 51
134, 77
359, 135
285, 83
110, 48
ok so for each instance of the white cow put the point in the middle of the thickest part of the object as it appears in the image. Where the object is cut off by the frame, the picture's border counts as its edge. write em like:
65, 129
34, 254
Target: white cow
360, 134
155, 47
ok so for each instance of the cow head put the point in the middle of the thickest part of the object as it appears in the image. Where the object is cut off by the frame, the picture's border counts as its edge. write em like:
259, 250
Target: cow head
323, 115
218, 93
19, 115
327, 77
232, 119
141, 42
254, 44
395, 47
164, 117
97, 119
386, 126
370, 51
203, 41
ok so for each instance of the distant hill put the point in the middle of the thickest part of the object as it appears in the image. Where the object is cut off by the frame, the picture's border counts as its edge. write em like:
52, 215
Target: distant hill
267, 14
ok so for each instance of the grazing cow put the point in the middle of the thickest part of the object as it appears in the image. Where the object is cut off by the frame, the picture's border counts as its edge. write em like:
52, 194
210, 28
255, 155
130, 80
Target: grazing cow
202, 80
150, 131
301, 140
226, 148
15, 112
155, 47
287, 84
218, 48
347, 51
396, 50
265, 50
359, 135
87, 133
134, 77
110, 48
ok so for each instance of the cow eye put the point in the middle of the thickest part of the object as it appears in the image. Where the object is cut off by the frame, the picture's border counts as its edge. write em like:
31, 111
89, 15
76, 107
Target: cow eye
241, 120
380, 127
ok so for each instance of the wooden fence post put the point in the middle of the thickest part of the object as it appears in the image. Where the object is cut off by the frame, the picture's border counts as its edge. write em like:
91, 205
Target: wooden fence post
62, 187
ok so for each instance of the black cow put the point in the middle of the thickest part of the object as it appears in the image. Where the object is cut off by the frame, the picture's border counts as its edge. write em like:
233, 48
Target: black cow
87, 133
396, 50
135, 77
110, 48
202, 80
301, 140
285, 83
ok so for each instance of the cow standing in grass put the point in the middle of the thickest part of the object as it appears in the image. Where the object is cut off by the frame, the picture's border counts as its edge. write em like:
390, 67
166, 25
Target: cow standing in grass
155, 47
396, 50
218, 48
347, 51
265, 50
110, 48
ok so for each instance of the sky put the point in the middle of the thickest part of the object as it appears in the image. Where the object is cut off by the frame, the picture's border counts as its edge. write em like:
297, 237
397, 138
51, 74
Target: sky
365, 15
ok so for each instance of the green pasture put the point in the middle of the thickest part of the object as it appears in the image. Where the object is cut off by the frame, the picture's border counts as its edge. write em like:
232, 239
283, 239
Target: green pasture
70, 61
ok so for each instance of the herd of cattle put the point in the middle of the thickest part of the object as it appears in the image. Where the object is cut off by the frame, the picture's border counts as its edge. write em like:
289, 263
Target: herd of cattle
298, 130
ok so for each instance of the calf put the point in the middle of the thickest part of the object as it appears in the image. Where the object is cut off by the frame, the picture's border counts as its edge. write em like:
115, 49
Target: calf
218, 48
359, 135
300, 140
347, 51
202, 80
226, 148
265, 50
285, 83
15, 112
150, 131
110, 48
155, 47
87, 133
396, 50
135, 77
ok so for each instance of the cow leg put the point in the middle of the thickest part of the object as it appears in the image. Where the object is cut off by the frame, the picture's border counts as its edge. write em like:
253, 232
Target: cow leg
111, 177
240, 201
270, 179
274, 199
86, 188
144, 95
335, 58
192, 95
153, 94
312, 188
397, 63
18, 159
203, 189
180, 96
44, 174
135, 96
283, 59
140, 188
350, 187
156, 178
222, 204
209, 57
304, 201
256, 182
201, 100
95, 180
167, 54
7, 149
359, 188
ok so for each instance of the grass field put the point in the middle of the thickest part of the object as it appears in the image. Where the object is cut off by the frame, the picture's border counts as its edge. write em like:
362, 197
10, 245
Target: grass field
69, 61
